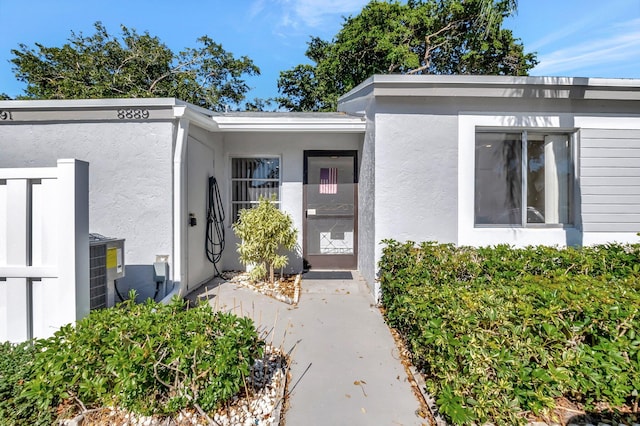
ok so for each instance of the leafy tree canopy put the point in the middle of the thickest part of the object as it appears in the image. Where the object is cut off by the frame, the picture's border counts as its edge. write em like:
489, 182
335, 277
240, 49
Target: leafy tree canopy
133, 65
413, 37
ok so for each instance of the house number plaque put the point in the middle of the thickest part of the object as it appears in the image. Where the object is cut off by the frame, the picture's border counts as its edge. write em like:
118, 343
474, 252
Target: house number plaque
133, 114
5, 115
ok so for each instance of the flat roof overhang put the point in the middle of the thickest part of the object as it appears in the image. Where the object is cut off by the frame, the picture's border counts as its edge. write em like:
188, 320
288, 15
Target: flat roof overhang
291, 122
164, 109
411, 86
104, 110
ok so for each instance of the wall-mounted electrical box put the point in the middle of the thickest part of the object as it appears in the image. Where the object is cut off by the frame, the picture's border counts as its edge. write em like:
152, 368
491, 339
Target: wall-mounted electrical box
106, 264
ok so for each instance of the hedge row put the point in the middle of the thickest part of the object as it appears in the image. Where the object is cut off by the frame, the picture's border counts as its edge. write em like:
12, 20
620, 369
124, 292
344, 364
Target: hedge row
501, 333
149, 358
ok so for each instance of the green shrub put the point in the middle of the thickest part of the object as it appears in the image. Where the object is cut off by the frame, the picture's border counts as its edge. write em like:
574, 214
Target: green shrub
149, 358
501, 333
264, 230
16, 362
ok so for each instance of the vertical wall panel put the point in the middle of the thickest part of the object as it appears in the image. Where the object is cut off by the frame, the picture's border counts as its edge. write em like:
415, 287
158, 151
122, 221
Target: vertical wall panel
609, 169
43, 222
43, 291
17, 301
16, 296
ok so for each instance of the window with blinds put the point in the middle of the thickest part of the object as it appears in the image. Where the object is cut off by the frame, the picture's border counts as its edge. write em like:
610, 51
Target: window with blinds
252, 178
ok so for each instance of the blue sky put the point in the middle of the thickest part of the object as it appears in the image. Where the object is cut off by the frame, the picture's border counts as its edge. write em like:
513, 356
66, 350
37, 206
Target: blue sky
585, 38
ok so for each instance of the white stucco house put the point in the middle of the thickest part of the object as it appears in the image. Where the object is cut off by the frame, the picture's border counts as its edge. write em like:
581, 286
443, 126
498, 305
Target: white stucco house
470, 160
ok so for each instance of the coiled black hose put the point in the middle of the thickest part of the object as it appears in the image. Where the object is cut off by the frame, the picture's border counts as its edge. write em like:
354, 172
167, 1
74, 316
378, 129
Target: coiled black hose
214, 243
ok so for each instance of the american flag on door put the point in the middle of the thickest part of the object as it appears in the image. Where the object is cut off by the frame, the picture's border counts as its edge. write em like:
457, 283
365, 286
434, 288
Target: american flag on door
329, 180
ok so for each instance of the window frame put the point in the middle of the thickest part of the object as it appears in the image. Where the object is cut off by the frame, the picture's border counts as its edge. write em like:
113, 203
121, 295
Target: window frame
524, 146
232, 203
469, 121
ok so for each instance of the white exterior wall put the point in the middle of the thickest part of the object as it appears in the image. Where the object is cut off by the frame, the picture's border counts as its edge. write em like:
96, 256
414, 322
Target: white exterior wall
415, 178
423, 132
130, 181
290, 148
367, 244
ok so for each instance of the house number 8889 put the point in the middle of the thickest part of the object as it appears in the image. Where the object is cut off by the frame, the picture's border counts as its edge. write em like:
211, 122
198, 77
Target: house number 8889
133, 114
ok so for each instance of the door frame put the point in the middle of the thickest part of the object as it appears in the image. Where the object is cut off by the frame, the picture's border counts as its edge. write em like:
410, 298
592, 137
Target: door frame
337, 261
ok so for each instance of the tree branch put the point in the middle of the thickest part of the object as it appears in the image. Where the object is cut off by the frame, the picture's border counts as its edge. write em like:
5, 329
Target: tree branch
428, 48
173, 71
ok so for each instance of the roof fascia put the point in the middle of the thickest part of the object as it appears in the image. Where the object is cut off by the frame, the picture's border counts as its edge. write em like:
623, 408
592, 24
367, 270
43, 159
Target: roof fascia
64, 104
97, 110
290, 124
496, 87
195, 116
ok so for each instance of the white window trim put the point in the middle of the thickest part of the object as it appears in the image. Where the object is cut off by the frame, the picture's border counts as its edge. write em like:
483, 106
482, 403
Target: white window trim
468, 233
230, 179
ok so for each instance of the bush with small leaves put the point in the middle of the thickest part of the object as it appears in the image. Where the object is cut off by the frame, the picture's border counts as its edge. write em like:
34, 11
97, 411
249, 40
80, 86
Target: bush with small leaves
16, 367
264, 231
500, 333
148, 358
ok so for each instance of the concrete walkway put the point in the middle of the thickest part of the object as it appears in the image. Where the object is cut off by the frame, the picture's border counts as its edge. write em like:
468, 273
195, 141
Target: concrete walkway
345, 369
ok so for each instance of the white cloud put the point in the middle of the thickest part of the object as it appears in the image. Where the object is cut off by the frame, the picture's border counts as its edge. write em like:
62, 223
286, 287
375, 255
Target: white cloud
256, 8
291, 17
563, 32
313, 13
622, 44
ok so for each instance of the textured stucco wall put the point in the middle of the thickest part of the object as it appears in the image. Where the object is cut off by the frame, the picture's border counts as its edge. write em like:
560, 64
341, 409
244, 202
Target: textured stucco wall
290, 148
416, 177
366, 208
130, 181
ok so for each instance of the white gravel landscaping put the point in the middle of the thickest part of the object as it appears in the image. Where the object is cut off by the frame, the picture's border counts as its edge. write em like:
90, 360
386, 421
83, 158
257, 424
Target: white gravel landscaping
259, 405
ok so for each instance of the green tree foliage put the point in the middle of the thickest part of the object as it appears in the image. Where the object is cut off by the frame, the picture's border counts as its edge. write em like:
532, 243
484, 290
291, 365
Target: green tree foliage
133, 65
416, 37
259, 105
264, 231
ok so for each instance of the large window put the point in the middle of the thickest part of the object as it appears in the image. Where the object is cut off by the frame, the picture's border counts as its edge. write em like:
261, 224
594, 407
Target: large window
252, 178
516, 169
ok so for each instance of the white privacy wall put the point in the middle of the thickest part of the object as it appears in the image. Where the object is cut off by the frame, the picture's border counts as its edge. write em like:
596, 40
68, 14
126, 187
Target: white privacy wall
44, 249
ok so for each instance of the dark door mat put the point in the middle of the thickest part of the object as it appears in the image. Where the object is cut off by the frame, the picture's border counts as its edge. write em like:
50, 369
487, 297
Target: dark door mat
327, 275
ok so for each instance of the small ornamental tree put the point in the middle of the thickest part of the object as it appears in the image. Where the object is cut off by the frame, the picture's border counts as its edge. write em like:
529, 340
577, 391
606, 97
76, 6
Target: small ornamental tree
264, 231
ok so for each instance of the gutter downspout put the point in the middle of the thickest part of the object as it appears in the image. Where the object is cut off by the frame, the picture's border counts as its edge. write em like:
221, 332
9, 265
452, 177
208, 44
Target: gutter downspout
180, 203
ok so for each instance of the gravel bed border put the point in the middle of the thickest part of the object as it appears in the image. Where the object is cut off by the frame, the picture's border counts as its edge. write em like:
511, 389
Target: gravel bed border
264, 407
267, 289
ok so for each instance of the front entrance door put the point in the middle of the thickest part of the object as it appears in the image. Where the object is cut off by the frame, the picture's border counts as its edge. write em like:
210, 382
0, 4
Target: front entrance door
330, 234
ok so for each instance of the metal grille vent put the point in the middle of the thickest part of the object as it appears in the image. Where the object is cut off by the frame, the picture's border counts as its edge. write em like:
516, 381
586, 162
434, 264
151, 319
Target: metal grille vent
97, 276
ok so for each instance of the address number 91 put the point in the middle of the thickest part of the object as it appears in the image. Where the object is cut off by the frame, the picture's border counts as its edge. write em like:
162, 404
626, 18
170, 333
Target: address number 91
133, 114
